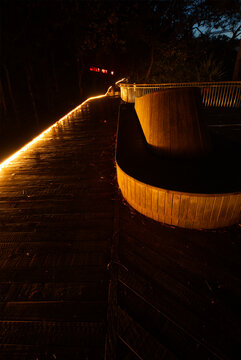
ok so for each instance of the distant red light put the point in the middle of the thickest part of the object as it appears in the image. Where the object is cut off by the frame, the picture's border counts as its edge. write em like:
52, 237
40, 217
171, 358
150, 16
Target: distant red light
103, 71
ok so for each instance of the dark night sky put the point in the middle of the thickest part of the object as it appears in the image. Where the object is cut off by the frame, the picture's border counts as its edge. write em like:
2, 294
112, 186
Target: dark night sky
47, 48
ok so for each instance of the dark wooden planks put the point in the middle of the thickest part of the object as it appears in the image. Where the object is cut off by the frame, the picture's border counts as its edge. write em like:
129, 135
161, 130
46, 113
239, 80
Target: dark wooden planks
174, 286
41, 339
189, 280
56, 219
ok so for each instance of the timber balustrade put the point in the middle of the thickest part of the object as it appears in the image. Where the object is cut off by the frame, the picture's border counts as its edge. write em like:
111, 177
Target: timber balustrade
226, 94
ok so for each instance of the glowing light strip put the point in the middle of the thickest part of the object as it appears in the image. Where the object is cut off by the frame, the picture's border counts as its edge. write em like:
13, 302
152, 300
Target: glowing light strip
117, 82
28, 145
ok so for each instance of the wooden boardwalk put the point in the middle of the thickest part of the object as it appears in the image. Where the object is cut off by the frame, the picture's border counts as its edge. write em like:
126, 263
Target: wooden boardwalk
56, 216
65, 231
179, 291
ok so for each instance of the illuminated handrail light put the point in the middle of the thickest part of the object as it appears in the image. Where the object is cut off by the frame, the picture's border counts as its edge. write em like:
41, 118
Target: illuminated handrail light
6, 162
39, 137
121, 80
110, 88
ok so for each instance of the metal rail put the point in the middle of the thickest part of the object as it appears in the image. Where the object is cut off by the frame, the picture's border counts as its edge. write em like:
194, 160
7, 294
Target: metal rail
226, 94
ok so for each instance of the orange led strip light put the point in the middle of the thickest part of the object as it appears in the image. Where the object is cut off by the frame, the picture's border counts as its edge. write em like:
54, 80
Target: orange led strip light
5, 163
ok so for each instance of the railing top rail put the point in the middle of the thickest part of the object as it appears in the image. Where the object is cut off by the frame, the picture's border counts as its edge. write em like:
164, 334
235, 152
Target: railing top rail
210, 83
214, 94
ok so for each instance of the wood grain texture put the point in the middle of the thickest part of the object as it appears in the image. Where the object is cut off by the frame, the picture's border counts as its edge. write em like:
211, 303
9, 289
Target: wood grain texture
185, 210
56, 218
172, 287
171, 122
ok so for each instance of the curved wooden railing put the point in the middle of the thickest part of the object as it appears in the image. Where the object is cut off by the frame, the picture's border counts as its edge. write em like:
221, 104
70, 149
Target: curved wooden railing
182, 209
225, 94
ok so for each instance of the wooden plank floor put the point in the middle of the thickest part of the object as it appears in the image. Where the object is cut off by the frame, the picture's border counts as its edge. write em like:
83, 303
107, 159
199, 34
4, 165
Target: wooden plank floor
65, 231
178, 292
178, 287
56, 217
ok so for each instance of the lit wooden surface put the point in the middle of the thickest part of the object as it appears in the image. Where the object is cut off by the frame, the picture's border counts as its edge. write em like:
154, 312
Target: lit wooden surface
172, 123
175, 286
195, 194
192, 211
56, 215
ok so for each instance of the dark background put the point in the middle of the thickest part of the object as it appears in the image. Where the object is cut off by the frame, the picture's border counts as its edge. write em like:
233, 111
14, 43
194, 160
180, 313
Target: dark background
47, 47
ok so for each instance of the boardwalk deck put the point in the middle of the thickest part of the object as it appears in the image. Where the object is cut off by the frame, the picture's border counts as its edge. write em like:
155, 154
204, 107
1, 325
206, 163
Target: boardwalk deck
174, 294
56, 216
180, 286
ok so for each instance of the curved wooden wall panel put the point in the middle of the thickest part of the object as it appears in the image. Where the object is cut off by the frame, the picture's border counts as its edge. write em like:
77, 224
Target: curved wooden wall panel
171, 122
186, 210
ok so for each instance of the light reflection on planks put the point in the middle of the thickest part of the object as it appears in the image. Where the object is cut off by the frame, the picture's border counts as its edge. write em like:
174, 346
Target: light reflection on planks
56, 217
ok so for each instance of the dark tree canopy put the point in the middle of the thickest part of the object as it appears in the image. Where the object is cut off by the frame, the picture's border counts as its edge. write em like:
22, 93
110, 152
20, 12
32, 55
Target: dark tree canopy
47, 48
